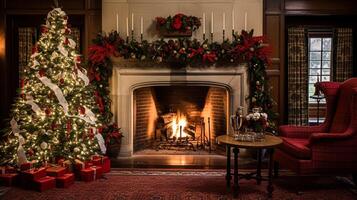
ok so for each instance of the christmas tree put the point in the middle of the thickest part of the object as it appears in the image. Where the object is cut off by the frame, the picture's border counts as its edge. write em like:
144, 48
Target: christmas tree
53, 116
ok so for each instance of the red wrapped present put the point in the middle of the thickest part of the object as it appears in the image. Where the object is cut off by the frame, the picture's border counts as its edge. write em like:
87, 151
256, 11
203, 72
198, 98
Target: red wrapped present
66, 163
33, 174
9, 179
44, 183
79, 165
102, 161
25, 166
56, 171
65, 181
7, 170
91, 173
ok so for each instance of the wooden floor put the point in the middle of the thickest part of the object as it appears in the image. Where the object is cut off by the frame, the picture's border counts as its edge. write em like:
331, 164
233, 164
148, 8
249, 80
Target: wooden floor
182, 161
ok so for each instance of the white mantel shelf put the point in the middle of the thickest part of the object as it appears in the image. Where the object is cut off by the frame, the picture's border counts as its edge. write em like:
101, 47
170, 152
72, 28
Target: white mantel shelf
129, 78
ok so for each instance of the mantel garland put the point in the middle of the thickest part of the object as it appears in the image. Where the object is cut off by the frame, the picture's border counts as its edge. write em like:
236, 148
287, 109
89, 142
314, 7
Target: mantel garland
244, 48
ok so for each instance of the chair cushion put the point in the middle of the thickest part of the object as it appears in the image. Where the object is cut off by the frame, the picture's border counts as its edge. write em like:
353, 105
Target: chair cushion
296, 147
342, 117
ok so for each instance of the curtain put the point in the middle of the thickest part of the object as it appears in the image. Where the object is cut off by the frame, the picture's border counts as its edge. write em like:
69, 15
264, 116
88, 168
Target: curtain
297, 77
343, 54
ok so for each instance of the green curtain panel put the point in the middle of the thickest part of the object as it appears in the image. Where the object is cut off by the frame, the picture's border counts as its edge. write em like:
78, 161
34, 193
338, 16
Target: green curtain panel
297, 76
343, 54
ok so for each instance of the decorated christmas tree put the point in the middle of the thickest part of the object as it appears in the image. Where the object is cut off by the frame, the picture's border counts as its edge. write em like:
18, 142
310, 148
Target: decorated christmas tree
53, 116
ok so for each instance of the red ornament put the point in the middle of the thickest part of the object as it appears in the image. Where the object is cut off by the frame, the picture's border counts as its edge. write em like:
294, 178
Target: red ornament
48, 111
61, 80
66, 41
44, 29
82, 110
78, 59
30, 152
68, 126
53, 126
42, 72
34, 49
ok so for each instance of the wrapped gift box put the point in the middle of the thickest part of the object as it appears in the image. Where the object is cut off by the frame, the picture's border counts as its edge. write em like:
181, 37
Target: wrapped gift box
91, 173
56, 171
25, 166
7, 170
44, 183
102, 161
65, 181
66, 164
34, 174
79, 165
9, 180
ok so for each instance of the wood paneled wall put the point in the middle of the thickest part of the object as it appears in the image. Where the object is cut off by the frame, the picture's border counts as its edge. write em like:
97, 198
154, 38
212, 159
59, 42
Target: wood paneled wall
87, 12
275, 25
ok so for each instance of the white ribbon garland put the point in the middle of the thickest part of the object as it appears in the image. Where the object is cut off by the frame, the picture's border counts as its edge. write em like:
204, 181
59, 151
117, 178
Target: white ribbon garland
56, 90
34, 106
101, 143
83, 76
72, 43
21, 156
35, 63
62, 50
90, 114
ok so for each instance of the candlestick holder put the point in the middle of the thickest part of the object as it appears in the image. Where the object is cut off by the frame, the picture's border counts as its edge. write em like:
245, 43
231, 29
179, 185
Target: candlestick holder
204, 37
211, 37
141, 37
132, 35
127, 39
232, 34
223, 33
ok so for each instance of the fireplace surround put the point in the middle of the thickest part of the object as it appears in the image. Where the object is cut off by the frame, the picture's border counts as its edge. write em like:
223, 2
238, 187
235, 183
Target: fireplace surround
129, 77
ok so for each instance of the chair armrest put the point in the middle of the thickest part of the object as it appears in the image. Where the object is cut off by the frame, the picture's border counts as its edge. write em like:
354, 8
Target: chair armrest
299, 131
328, 137
328, 88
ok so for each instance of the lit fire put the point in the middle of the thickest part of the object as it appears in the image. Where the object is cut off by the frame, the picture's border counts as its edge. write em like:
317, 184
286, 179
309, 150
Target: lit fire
179, 121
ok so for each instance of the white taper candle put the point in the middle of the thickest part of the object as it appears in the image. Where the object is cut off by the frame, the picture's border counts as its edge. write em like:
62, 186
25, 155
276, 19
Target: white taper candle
132, 21
204, 23
127, 27
224, 21
141, 25
212, 22
117, 23
233, 20
245, 20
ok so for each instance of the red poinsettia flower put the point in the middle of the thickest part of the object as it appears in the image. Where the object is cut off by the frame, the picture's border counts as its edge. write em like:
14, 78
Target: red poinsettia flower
160, 20
177, 23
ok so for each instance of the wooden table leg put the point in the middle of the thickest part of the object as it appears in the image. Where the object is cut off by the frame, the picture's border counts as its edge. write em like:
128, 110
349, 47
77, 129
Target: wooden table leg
270, 187
228, 172
236, 184
259, 167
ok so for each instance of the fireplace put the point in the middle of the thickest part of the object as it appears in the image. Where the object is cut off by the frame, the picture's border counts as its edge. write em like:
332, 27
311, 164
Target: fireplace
184, 117
144, 97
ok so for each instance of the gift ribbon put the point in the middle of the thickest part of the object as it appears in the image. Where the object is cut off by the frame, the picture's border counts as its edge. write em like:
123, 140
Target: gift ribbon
56, 90
95, 172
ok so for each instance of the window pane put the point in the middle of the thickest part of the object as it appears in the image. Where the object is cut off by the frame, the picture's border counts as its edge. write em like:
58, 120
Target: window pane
326, 56
315, 55
325, 78
315, 44
315, 64
314, 71
312, 79
326, 45
326, 64
311, 88
325, 71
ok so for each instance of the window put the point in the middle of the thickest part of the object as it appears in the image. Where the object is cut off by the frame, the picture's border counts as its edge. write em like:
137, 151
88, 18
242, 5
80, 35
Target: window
320, 61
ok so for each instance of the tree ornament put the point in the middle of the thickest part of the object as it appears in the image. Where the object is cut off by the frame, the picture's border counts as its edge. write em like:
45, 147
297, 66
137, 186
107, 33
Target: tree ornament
43, 145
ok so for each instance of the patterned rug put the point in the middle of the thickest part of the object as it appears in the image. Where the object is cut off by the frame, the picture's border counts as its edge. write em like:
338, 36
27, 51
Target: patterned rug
187, 185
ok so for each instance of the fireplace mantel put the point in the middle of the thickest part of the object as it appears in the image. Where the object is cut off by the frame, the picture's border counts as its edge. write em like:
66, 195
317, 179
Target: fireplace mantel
126, 79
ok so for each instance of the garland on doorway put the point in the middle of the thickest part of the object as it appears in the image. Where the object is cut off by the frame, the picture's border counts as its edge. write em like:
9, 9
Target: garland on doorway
182, 52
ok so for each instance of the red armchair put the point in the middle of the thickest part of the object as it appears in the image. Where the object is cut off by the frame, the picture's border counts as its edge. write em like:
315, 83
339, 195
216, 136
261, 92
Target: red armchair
330, 147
